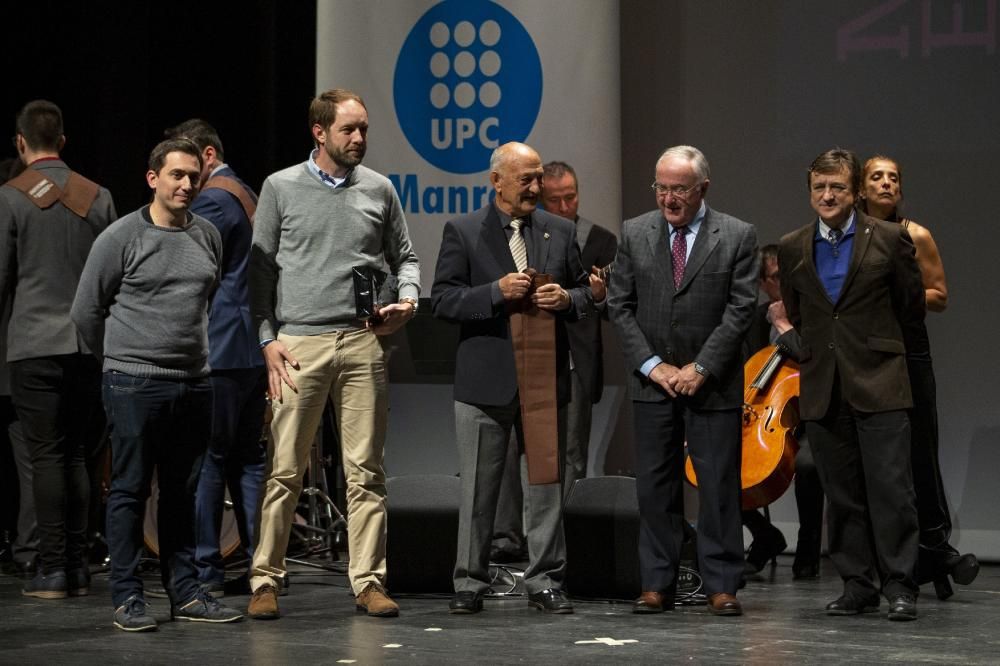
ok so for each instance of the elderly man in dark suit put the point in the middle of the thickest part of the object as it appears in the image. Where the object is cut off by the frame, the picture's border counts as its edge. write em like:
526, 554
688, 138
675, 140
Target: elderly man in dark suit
682, 295
851, 285
478, 282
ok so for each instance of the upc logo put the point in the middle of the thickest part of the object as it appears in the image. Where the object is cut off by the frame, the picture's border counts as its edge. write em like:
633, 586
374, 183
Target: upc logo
468, 79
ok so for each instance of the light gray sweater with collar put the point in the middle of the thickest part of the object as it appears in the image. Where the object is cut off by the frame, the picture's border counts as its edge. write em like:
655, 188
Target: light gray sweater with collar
308, 236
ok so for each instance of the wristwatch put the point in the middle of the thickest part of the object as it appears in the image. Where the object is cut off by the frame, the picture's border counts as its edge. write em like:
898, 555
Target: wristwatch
412, 301
700, 369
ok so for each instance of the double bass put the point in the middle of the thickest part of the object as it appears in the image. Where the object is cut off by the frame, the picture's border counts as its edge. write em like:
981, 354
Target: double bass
770, 416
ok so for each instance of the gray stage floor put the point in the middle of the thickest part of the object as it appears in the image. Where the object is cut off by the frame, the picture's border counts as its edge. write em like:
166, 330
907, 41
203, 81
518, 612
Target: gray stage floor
784, 623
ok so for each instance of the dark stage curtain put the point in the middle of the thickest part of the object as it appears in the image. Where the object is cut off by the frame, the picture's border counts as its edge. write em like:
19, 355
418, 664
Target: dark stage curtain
124, 71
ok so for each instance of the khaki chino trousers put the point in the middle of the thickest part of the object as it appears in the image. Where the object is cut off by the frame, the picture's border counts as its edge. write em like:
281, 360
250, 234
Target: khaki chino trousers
348, 368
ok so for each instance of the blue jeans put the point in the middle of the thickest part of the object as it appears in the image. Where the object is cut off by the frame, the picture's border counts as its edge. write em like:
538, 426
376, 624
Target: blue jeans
163, 424
235, 458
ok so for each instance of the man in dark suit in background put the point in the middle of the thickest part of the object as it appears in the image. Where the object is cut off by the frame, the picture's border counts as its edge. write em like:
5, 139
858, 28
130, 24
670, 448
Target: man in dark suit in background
478, 281
851, 285
236, 454
49, 218
560, 196
682, 295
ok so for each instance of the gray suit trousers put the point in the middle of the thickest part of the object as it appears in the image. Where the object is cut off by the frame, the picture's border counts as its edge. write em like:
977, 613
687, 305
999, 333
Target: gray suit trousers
483, 433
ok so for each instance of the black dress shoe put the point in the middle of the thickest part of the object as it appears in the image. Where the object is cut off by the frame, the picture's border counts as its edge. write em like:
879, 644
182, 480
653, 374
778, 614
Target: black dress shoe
962, 568
942, 588
846, 605
764, 548
465, 603
902, 608
805, 569
550, 601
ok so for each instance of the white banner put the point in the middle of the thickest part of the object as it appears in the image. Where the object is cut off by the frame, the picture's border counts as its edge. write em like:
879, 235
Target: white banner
447, 81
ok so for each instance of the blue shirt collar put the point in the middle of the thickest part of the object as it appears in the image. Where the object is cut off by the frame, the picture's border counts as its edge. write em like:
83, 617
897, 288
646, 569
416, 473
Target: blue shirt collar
327, 179
823, 231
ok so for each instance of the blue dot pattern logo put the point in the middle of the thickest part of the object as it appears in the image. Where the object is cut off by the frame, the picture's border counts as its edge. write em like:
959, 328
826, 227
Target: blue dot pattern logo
468, 79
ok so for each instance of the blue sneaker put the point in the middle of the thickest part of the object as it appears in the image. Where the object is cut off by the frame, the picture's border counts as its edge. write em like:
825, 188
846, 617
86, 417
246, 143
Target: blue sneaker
206, 608
131, 615
46, 586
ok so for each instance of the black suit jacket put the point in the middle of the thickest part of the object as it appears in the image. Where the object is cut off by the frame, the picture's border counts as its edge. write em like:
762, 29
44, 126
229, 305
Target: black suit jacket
585, 335
474, 255
860, 337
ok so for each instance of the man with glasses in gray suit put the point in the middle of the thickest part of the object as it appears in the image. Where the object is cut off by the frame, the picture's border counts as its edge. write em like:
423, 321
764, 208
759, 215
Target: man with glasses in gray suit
682, 296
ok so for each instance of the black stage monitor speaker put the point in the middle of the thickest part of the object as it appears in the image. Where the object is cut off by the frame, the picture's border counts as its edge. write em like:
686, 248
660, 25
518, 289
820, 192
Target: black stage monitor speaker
601, 519
423, 532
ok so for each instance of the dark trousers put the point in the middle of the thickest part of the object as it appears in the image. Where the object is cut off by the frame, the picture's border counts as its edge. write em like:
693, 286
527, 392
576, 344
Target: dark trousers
713, 442
58, 403
809, 501
864, 462
932, 504
163, 424
235, 458
26, 544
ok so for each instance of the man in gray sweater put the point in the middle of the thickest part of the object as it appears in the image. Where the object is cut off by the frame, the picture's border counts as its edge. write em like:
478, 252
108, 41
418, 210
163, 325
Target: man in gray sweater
315, 223
142, 304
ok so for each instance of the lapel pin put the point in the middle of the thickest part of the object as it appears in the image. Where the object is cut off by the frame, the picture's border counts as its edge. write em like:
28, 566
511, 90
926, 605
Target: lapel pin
546, 236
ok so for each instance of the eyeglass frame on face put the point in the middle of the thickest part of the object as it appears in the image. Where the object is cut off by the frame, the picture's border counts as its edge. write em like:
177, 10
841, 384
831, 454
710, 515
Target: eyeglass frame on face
674, 190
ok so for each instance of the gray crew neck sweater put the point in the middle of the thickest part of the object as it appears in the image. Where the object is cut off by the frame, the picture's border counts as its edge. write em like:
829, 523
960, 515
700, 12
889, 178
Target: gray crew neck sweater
144, 294
306, 238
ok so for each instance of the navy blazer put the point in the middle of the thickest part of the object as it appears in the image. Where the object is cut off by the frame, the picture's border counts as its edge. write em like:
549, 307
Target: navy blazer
474, 255
232, 337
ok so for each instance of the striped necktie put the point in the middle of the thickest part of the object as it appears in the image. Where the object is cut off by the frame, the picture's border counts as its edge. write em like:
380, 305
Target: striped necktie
518, 249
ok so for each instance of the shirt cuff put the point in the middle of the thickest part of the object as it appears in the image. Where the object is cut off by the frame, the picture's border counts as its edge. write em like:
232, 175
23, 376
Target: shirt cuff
648, 366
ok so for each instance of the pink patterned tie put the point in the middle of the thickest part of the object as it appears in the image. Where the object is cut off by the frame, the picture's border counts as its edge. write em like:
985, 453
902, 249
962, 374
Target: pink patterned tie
679, 253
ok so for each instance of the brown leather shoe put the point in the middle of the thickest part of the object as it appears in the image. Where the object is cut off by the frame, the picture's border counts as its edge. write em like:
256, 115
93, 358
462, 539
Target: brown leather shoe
652, 602
723, 603
376, 602
264, 604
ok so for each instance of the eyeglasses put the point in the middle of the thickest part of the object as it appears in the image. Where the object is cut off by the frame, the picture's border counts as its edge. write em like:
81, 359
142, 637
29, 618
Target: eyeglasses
678, 191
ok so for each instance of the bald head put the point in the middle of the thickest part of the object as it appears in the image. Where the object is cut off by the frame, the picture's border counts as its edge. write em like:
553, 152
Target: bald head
516, 174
